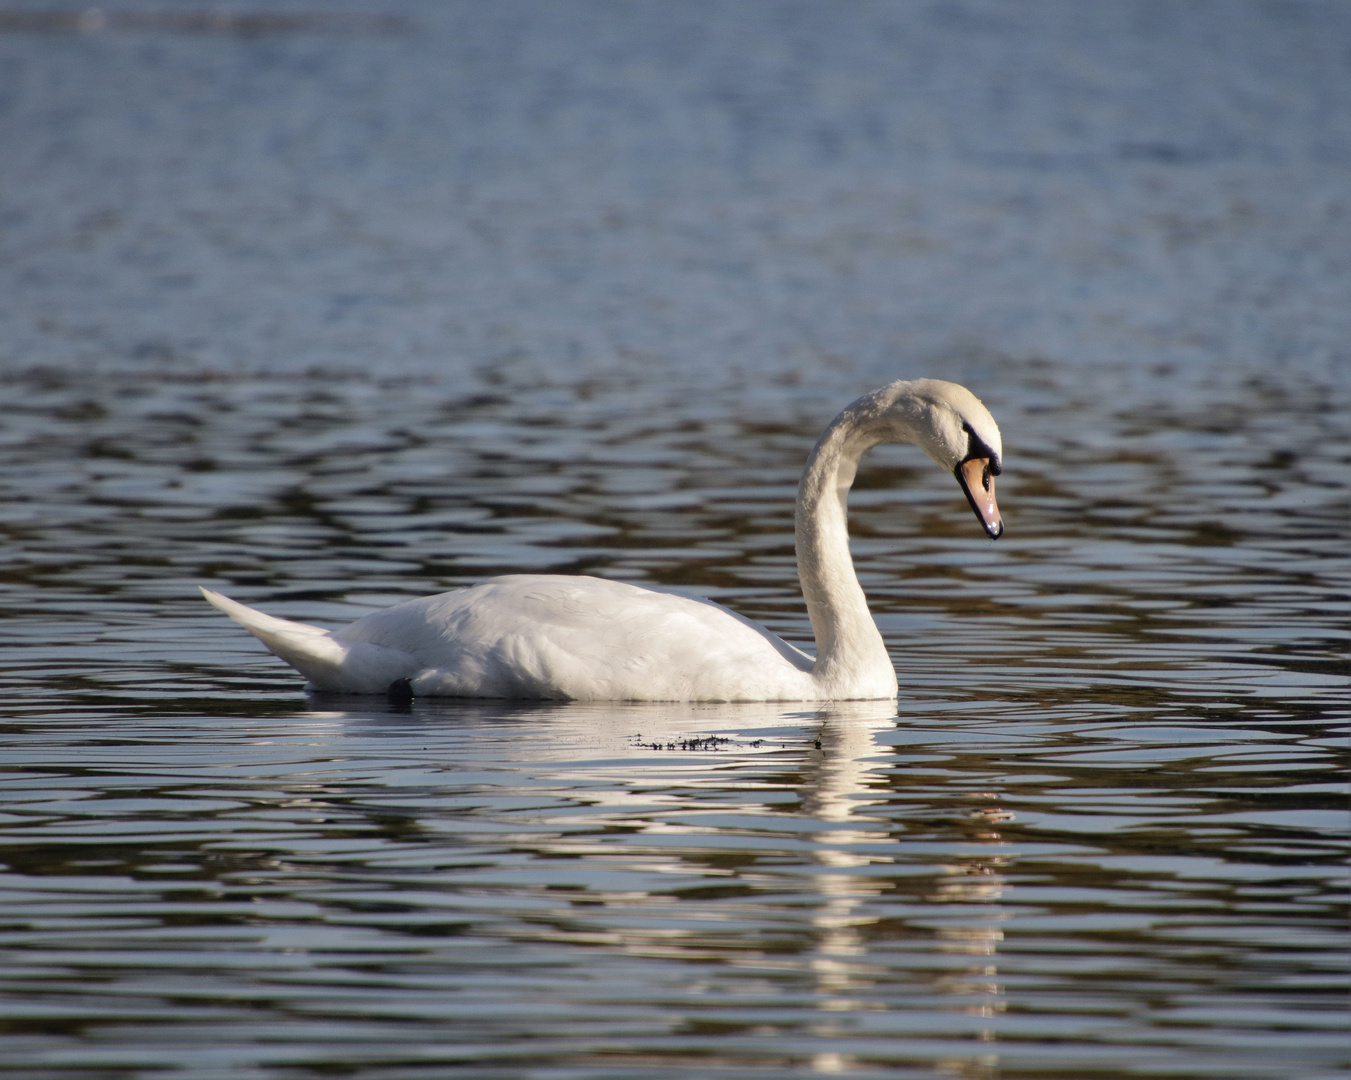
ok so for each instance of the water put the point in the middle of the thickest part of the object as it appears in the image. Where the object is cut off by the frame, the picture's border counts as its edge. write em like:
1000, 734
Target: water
360, 309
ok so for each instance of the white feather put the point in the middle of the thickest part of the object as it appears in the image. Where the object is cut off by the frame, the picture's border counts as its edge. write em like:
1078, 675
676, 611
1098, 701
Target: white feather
591, 639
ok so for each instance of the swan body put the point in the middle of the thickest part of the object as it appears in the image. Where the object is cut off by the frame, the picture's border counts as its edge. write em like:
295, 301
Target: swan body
547, 636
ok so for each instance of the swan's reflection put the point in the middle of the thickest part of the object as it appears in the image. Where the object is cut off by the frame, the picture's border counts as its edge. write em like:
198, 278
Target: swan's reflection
671, 774
845, 787
841, 782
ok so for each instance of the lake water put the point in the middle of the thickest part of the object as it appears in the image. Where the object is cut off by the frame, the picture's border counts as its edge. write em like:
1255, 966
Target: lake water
331, 309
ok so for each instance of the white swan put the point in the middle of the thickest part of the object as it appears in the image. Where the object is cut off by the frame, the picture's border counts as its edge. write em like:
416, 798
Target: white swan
589, 639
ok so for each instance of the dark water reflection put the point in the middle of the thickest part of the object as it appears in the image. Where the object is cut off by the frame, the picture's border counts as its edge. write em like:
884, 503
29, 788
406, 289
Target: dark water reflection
1104, 836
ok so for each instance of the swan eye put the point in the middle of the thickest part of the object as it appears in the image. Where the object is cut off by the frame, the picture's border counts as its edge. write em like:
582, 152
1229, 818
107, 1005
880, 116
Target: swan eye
976, 448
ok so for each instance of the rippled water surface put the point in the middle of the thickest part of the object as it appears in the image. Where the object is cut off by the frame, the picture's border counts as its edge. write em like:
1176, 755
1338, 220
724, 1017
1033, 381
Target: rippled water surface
367, 308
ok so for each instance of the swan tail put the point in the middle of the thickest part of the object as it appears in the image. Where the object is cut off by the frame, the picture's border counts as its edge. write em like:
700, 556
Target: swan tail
329, 664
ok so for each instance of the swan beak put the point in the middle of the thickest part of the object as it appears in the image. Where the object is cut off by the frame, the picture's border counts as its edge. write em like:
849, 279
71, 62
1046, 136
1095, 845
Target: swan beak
976, 475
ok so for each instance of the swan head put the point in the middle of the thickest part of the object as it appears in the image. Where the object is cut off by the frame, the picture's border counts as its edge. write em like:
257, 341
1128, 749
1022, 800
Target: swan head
950, 424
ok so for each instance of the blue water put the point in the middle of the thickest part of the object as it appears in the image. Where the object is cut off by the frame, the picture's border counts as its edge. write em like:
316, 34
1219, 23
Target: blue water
327, 307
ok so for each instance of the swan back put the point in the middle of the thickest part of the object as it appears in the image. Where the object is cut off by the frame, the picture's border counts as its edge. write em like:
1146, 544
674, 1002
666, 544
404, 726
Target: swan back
584, 639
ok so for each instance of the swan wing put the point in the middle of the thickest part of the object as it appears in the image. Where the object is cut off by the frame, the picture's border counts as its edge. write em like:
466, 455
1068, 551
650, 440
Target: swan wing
584, 638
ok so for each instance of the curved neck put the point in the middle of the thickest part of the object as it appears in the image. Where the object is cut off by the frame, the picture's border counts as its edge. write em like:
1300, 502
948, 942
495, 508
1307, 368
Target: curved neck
851, 658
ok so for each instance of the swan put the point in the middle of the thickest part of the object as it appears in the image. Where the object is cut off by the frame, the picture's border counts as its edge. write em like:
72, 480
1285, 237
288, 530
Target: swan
550, 636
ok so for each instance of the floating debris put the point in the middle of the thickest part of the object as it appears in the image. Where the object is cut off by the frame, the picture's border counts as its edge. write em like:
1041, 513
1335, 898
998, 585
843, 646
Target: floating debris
701, 743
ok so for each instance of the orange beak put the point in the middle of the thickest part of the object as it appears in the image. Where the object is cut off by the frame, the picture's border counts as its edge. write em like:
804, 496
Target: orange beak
977, 479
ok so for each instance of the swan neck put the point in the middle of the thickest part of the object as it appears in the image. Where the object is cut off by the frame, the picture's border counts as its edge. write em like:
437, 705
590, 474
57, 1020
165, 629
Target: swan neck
851, 657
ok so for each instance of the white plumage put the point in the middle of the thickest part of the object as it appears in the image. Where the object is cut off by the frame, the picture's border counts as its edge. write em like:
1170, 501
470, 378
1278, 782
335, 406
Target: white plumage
546, 636
583, 638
